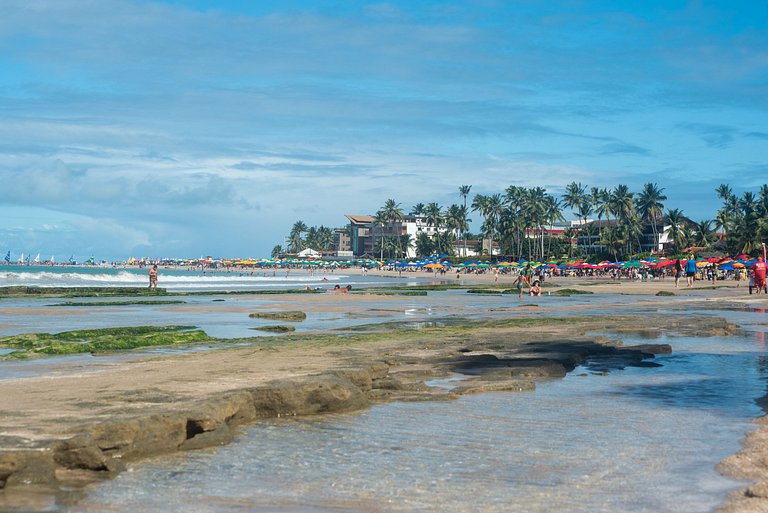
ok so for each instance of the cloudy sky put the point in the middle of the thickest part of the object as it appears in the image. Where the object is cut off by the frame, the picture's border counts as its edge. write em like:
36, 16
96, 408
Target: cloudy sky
202, 127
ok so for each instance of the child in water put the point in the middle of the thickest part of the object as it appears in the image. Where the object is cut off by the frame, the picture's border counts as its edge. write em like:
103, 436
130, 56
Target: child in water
535, 288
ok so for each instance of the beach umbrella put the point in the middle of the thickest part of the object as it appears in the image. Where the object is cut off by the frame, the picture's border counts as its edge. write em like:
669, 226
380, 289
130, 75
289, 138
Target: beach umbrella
434, 266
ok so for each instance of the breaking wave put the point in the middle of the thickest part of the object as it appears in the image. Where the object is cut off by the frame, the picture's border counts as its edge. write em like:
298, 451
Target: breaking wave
177, 280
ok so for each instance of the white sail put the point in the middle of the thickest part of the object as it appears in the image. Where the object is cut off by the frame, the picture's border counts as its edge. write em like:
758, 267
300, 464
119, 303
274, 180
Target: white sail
37, 259
21, 258
53, 260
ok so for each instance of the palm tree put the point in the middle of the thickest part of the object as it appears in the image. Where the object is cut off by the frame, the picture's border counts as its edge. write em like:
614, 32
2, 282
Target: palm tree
311, 240
569, 235
575, 195
433, 215
418, 209
380, 222
723, 222
424, 244
650, 207
512, 223
390, 214
677, 233
464, 192
456, 219
277, 251
495, 211
621, 202
724, 192
325, 238
612, 239
552, 214
295, 240
704, 235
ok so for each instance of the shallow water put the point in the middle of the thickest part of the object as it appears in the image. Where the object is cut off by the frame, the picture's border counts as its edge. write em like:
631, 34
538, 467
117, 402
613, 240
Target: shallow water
635, 440
226, 317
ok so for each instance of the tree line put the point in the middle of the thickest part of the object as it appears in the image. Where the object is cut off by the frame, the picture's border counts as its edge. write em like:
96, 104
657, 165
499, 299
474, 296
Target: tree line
518, 221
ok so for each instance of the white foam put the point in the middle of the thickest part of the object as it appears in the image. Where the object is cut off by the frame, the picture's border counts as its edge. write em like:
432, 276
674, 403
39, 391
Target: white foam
175, 279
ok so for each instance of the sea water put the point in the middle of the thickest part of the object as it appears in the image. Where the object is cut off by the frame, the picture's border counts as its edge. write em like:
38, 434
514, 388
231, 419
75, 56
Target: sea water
184, 279
639, 439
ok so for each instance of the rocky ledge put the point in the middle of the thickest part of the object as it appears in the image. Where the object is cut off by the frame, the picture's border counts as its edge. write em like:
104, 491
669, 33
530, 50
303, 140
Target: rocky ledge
102, 449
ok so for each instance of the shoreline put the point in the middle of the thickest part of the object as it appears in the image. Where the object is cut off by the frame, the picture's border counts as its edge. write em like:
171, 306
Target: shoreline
204, 401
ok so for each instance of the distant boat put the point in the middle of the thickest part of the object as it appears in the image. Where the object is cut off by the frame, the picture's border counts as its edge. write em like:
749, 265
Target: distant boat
21, 258
37, 259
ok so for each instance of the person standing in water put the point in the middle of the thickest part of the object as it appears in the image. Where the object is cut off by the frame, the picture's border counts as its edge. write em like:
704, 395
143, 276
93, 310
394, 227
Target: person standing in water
153, 277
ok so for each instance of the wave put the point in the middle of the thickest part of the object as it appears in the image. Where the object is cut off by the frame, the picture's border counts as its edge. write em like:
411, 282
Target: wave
125, 278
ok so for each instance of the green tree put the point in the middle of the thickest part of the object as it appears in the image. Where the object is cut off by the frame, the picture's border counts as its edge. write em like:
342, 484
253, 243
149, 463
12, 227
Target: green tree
650, 206
703, 235
677, 232
424, 245
464, 192
295, 239
390, 215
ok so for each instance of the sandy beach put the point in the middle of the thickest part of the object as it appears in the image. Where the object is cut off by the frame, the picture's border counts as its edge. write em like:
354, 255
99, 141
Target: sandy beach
77, 423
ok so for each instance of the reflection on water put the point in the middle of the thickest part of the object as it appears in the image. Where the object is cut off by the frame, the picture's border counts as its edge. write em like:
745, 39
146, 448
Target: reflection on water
636, 440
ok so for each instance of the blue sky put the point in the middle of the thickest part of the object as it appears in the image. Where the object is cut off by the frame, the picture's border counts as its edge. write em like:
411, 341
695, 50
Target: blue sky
194, 127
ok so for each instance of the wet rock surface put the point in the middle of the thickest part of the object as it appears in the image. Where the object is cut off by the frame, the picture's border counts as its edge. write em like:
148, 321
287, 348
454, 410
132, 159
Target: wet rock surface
490, 359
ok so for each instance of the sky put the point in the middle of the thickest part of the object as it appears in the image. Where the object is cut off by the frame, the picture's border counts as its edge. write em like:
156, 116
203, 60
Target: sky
187, 128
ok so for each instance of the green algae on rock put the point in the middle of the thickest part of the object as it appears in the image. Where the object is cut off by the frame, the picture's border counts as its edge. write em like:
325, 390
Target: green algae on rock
570, 292
19, 290
290, 316
121, 303
108, 339
275, 329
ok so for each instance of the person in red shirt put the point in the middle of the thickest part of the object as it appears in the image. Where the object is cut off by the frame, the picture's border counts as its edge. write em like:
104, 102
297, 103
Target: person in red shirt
758, 273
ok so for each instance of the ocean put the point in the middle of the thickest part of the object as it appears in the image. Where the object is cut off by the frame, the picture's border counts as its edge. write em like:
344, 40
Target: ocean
182, 279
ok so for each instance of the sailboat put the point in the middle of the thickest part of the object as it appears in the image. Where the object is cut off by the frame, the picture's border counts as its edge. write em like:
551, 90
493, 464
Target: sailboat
37, 259
21, 258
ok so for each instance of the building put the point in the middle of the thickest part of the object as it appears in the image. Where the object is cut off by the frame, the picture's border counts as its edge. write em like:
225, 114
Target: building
342, 241
360, 234
588, 239
364, 233
476, 248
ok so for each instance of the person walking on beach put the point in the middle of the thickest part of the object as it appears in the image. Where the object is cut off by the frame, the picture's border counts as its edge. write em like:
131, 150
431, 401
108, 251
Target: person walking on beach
690, 270
153, 277
758, 272
678, 272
